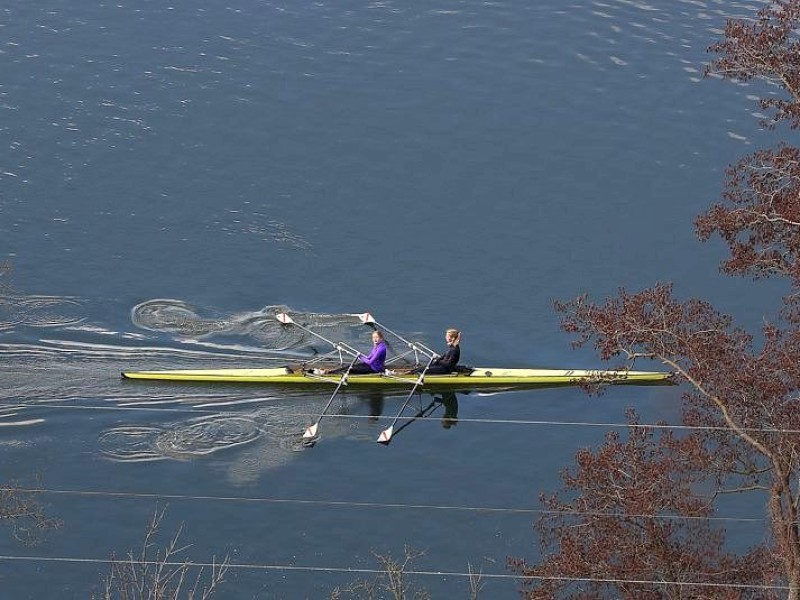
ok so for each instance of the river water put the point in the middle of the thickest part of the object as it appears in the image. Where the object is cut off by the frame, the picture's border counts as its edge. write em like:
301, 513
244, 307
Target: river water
174, 173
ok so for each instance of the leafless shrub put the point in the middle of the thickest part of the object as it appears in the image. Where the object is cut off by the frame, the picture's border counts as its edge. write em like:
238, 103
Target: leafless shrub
393, 582
20, 509
476, 582
158, 573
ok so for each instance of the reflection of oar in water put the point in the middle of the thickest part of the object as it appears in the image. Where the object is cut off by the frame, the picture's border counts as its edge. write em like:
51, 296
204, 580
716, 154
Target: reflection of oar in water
421, 414
311, 430
386, 435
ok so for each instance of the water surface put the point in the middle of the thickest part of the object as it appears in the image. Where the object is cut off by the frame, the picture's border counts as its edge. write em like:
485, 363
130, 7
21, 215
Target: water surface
173, 174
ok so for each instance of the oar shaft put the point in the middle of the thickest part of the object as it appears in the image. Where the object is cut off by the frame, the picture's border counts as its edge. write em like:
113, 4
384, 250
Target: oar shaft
341, 346
386, 435
418, 346
311, 432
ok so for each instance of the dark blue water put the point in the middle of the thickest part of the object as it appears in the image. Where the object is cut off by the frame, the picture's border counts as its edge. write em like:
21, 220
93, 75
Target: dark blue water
172, 172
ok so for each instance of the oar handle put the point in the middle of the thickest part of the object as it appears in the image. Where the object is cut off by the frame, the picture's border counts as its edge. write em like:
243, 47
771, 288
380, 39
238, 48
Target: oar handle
347, 349
423, 349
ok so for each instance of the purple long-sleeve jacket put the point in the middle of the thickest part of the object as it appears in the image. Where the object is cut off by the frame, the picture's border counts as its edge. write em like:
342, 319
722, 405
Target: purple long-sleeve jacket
376, 358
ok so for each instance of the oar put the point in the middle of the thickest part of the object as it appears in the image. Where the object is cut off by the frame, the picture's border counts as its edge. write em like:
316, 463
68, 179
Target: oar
311, 431
368, 319
386, 435
341, 346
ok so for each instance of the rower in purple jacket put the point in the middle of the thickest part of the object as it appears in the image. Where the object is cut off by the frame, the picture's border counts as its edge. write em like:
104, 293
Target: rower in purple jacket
371, 363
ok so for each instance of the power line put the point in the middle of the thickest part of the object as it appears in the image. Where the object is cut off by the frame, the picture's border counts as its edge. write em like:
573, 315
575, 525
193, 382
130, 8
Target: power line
657, 426
364, 571
377, 505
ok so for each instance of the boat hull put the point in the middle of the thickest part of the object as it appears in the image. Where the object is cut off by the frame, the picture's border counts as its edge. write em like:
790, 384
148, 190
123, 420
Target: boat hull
478, 377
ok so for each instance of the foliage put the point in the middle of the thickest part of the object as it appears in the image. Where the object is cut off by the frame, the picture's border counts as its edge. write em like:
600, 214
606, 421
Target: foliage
629, 523
159, 574
760, 212
742, 398
767, 49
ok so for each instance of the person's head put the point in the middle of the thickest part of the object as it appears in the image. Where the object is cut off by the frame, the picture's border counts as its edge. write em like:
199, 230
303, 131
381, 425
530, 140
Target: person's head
377, 336
453, 337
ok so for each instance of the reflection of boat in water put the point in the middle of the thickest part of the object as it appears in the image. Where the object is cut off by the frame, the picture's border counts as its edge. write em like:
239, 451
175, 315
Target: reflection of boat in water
450, 403
447, 400
471, 378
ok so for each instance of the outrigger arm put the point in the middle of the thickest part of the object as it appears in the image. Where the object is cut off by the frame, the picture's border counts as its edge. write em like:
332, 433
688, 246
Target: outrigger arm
366, 318
311, 431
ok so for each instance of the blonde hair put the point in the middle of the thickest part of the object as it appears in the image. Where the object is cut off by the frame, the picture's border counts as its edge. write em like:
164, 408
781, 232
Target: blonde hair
455, 334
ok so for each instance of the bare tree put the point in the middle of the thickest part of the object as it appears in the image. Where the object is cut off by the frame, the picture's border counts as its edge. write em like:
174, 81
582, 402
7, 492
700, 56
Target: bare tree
629, 523
743, 396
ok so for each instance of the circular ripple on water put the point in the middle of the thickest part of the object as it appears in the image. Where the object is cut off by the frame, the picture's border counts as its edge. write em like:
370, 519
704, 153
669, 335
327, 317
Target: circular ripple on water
131, 444
207, 435
38, 311
196, 438
270, 333
179, 317
174, 316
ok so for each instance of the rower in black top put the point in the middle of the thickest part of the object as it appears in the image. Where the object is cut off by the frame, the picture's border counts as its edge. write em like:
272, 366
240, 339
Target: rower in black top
447, 362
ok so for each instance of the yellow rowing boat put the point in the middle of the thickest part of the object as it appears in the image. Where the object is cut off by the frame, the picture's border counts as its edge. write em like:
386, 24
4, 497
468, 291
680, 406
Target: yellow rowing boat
464, 379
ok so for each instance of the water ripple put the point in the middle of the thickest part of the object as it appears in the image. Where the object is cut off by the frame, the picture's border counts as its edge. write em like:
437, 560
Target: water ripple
37, 311
173, 316
18, 309
179, 317
192, 439
9, 412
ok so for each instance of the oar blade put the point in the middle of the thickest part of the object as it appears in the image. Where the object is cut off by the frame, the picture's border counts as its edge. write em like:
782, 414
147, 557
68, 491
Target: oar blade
386, 436
311, 431
284, 318
366, 318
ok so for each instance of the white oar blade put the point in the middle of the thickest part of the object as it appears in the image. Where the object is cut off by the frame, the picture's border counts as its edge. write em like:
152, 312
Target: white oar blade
284, 318
366, 318
386, 435
311, 431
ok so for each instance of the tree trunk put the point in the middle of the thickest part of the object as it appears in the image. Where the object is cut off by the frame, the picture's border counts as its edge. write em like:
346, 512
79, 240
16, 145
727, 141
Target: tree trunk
784, 520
